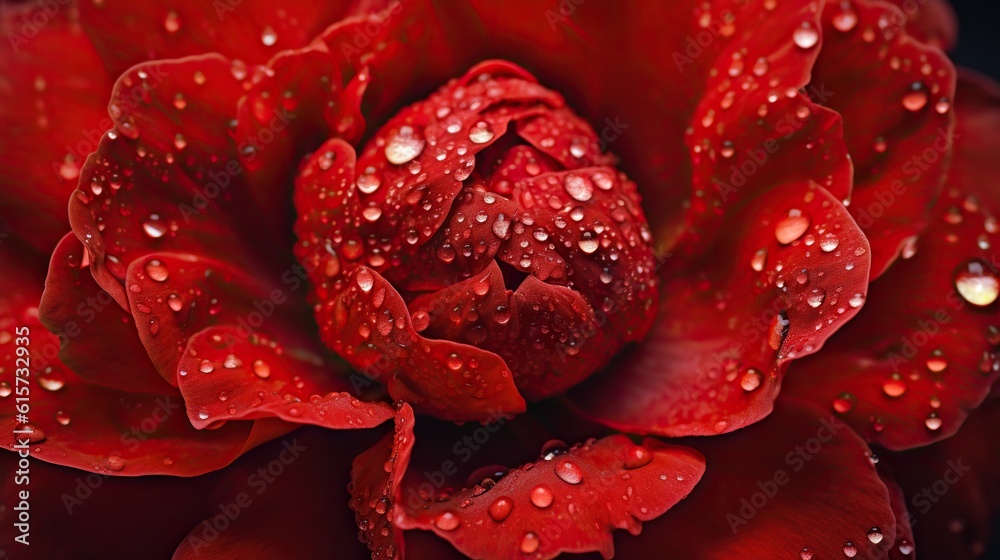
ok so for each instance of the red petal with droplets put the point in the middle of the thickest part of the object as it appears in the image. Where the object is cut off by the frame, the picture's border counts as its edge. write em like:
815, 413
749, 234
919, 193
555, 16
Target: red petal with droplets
369, 324
930, 21
168, 177
571, 502
126, 33
101, 345
77, 423
375, 478
786, 270
799, 481
52, 95
921, 354
903, 547
900, 148
952, 490
227, 375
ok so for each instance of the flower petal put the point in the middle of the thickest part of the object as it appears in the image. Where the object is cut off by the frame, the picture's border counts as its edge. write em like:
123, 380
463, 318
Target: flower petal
369, 323
126, 33
784, 272
922, 353
931, 21
570, 503
52, 94
77, 423
101, 345
168, 177
898, 128
226, 375
375, 478
797, 482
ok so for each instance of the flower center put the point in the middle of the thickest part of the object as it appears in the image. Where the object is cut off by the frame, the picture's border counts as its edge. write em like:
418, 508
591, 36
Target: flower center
492, 210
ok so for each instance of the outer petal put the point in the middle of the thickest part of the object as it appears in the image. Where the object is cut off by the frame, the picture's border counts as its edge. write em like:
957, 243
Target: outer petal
932, 22
897, 127
52, 91
796, 483
727, 329
92, 427
920, 355
126, 33
87, 318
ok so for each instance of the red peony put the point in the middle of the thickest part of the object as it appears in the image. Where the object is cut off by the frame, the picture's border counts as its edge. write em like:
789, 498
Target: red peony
411, 281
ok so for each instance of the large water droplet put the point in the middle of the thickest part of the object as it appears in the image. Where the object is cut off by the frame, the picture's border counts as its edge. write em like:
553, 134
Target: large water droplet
875, 535
805, 36
916, 98
578, 187
501, 508
541, 497
977, 283
157, 271
447, 521
154, 227
261, 369
791, 227
530, 543
569, 472
751, 379
480, 133
365, 280
850, 550
637, 457
403, 146
51, 380
894, 386
933, 422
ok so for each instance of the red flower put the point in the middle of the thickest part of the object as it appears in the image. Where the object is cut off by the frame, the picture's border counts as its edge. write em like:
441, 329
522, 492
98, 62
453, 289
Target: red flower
560, 220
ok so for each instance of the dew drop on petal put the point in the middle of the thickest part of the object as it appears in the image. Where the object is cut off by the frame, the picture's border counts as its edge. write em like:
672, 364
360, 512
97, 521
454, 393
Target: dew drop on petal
403, 146
916, 98
791, 227
447, 521
805, 36
530, 543
977, 283
843, 403
501, 508
569, 472
850, 551
933, 421
751, 379
481, 133
157, 271
261, 369
541, 497
875, 535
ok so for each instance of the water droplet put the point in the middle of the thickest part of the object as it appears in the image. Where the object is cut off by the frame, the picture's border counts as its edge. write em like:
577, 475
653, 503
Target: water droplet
875, 535
936, 361
977, 283
905, 547
179, 141
172, 23
916, 98
447, 521
758, 260
154, 227
5, 389
805, 36
62, 418
828, 242
157, 271
541, 497
206, 366
115, 463
751, 379
588, 245
365, 280
578, 187
175, 302
843, 403
372, 213
530, 543
637, 457
850, 550
845, 19
454, 362
268, 37
933, 421
368, 183
261, 369
501, 508
894, 386
856, 300
791, 227
481, 133
806, 553
403, 146
569, 472
50, 380
203, 414
815, 297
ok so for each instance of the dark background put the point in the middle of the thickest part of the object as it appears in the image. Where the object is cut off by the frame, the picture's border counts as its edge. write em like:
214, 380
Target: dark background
979, 48
978, 35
